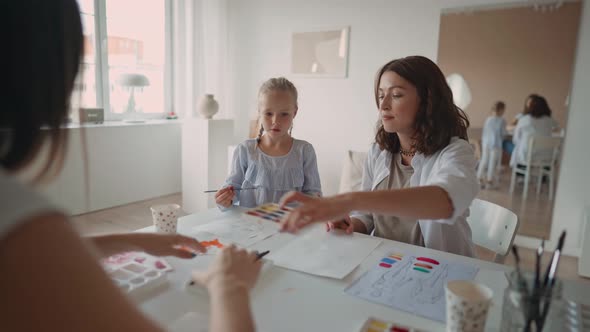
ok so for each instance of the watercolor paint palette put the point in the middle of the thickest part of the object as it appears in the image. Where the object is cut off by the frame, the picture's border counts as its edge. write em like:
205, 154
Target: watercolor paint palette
377, 325
271, 212
134, 272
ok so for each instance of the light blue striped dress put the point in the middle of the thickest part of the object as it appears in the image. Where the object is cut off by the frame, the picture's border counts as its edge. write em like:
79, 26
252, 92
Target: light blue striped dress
272, 176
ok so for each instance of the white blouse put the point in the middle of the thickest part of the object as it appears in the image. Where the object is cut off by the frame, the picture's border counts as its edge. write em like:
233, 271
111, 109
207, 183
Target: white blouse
452, 169
527, 127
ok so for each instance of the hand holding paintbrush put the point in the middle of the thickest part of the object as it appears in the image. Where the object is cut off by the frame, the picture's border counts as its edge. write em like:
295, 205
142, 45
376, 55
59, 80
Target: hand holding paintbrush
224, 196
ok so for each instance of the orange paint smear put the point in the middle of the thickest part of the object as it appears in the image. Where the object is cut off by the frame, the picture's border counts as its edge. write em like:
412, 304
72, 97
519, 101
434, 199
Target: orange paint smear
212, 243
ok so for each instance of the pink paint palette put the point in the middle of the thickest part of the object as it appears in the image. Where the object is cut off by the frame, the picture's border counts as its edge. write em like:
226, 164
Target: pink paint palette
271, 212
134, 272
378, 325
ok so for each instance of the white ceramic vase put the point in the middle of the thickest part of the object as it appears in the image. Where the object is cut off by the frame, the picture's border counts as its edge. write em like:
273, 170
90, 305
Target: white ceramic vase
208, 106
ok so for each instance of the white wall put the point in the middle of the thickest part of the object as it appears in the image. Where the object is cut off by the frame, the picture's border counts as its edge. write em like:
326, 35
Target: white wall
340, 114
334, 114
126, 164
573, 188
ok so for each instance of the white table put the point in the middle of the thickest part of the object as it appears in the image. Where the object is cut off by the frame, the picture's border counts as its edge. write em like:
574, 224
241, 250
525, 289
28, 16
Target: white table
285, 300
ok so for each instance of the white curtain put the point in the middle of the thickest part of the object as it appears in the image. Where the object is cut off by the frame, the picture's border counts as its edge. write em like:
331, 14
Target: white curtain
198, 54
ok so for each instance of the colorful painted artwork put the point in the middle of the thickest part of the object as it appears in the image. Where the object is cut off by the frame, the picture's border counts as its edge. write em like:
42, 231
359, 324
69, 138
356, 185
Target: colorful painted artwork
271, 212
411, 283
242, 232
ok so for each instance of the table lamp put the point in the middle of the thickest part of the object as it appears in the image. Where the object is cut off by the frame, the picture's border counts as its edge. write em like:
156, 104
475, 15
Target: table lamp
132, 81
461, 91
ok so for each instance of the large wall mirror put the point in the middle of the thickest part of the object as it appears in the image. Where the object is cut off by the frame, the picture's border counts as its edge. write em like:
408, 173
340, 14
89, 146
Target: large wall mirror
505, 54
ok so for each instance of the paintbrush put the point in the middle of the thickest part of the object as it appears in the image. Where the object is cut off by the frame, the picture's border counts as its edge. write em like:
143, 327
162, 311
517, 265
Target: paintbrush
538, 264
258, 257
537, 291
262, 254
549, 282
216, 190
552, 268
521, 281
523, 288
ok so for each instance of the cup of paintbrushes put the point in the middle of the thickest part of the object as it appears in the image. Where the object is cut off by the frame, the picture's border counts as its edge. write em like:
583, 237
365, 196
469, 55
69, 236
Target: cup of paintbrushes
529, 308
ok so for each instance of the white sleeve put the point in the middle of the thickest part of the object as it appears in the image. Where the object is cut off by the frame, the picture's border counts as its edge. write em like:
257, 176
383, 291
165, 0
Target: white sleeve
455, 173
366, 185
517, 137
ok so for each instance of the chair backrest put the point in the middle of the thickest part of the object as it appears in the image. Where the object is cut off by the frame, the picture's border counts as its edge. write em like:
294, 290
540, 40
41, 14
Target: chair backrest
543, 150
476, 147
492, 227
352, 171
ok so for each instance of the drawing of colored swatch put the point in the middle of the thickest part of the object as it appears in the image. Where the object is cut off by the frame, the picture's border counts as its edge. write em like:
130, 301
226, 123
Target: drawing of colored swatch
397, 257
428, 260
386, 262
422, 267
424, 264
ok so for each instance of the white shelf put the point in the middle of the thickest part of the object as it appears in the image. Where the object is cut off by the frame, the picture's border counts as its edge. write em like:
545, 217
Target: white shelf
204, 160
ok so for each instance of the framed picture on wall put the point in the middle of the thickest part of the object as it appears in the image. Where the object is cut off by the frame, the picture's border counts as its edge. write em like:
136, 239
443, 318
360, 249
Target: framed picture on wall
320, 53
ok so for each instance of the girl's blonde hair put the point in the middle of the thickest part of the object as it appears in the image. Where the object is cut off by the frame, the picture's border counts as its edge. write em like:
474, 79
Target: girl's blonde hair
275, 84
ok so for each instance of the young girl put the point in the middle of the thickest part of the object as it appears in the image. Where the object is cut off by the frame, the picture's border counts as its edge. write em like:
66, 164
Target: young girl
419, 178
494, 131
265, 168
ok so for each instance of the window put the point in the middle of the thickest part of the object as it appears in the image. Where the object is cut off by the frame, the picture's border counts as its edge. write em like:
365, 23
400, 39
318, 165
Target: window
123, 69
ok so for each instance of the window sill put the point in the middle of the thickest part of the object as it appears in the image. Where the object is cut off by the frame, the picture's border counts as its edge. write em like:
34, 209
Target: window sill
121, 124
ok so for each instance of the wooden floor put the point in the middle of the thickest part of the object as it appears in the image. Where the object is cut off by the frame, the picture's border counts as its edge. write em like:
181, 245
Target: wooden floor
133, 216
534, 213
125, 218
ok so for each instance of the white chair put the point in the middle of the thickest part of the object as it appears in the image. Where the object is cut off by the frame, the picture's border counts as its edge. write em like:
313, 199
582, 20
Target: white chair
475, 144
541, 155
352, 171
492, 227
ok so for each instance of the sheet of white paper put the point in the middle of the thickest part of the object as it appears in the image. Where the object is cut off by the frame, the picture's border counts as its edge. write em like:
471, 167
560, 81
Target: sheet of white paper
327, 254
243, 232
411, 283
191, 322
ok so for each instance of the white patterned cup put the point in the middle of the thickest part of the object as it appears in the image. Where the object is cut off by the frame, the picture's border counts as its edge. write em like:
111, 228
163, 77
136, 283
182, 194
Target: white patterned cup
165, 217
468, 303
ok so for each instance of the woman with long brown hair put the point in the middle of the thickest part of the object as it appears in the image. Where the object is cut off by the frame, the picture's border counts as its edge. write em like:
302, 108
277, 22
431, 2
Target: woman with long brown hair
537, 122
51, 279
419, 178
